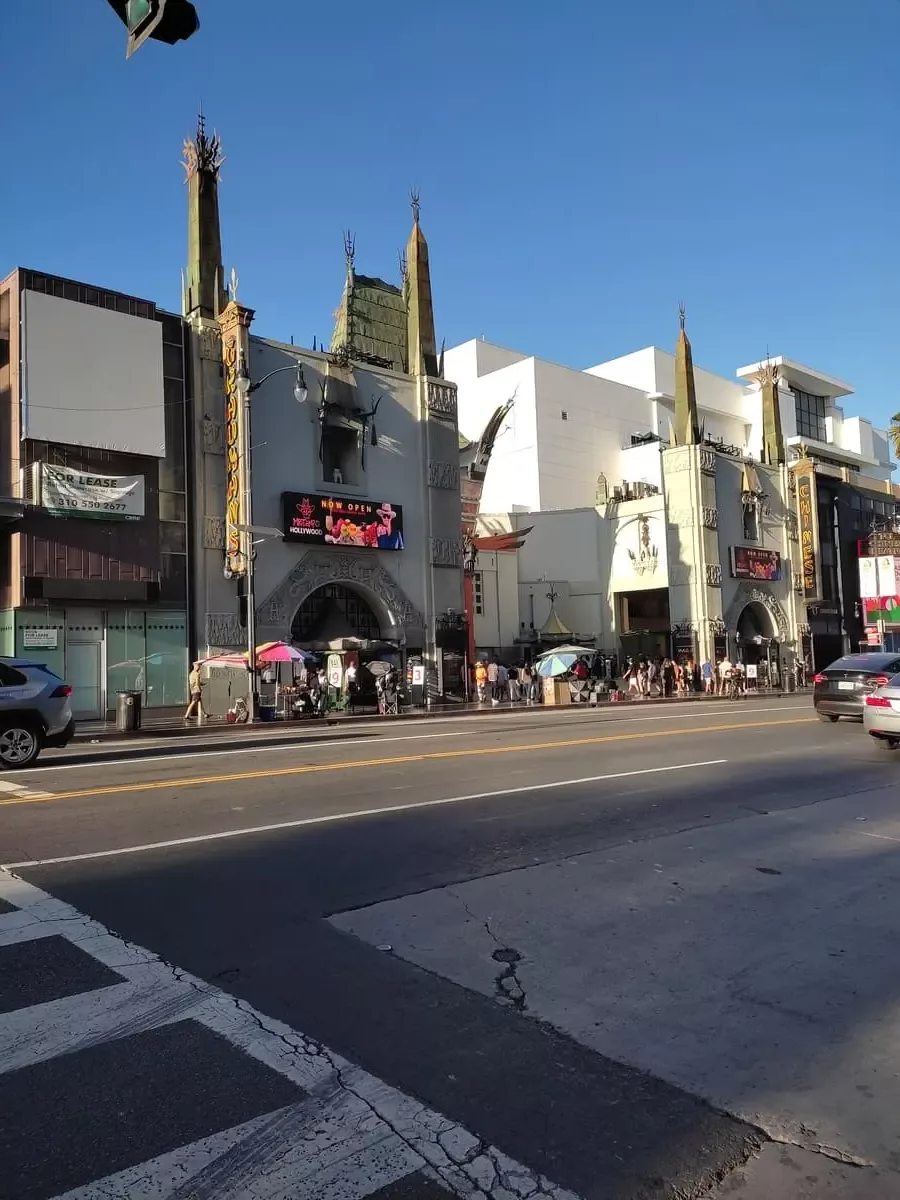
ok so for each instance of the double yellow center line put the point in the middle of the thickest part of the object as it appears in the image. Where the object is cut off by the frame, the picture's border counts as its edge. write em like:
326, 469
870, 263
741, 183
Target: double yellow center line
396, 760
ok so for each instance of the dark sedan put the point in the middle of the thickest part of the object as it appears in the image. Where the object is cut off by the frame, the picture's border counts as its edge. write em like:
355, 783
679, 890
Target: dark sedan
841, 689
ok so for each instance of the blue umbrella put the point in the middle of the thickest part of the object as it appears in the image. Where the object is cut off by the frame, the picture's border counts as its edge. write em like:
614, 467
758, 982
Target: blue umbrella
556, 663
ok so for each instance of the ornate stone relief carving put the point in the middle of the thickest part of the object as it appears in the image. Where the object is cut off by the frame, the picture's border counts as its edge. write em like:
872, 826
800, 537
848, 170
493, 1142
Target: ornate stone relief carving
711, 518
442, 401
320, 567
214, 533
713, 575
446, 552
708, 462
224, 630
213, 436
210, 344
676, 460
748, 593
443, 475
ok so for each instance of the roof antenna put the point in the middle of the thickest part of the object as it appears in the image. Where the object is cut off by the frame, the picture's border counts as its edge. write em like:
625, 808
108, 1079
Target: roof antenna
349, 249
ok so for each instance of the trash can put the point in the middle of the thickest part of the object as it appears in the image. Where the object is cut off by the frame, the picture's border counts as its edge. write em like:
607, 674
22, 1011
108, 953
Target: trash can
790, 681
128, 711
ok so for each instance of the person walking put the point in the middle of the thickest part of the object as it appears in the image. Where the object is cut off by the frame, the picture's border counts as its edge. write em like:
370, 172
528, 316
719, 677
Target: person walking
502, 682
493, 675
706, 674
481, 680
525, 683
723, 671
512, 682
195, 690
668, 678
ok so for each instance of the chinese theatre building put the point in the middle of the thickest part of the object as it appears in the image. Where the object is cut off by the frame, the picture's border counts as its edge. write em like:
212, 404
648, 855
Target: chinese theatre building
93, 547
344, 460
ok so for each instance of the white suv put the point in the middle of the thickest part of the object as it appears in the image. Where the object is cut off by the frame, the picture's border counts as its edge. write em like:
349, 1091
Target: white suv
35, 711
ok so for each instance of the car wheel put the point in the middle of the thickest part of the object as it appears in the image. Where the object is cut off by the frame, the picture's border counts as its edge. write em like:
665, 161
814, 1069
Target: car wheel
827, 717
20, 744
888, 743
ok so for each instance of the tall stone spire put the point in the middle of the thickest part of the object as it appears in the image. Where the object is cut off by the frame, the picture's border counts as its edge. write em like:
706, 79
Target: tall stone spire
773, 438
205, 290
421, 343
687, 425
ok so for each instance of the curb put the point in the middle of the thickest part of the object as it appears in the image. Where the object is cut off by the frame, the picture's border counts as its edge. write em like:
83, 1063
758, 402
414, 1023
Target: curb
165, 732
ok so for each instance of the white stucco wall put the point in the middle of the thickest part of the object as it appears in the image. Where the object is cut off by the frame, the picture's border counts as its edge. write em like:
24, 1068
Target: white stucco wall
625, 526
512, 478
600, 419
497, 625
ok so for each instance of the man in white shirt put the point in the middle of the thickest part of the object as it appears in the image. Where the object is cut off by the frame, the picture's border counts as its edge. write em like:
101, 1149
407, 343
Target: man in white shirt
722, 670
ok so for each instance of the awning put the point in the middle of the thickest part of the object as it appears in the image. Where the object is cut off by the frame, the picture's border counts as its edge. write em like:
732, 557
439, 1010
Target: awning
553, 626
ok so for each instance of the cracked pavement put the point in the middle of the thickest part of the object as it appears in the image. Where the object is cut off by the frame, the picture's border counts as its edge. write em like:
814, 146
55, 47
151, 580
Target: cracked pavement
344, 1110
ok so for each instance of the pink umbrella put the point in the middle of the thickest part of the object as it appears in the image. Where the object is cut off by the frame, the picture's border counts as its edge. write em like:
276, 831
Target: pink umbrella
277, 652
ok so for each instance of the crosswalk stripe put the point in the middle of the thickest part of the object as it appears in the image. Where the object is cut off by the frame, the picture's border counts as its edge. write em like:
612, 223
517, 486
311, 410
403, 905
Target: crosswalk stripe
350, 1136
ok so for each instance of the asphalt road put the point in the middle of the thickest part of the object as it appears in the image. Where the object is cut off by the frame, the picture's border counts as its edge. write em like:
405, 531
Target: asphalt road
368, 943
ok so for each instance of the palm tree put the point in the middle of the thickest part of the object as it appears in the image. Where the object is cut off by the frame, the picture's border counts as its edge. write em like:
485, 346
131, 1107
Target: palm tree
894, 434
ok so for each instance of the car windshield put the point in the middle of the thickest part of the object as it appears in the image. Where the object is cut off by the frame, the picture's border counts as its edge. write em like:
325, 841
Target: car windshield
865, 662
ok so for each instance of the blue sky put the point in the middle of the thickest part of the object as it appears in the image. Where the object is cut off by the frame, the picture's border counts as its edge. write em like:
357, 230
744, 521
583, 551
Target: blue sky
582, 167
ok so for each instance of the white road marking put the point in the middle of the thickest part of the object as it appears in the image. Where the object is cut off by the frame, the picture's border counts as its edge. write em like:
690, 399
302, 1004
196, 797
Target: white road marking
881, 836
339, 743
7, 787
351, 1135
332, 818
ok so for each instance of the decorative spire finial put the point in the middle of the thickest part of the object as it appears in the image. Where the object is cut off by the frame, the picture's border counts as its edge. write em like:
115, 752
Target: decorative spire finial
414, 204
350, 249
203, 152
233, 280
682, 315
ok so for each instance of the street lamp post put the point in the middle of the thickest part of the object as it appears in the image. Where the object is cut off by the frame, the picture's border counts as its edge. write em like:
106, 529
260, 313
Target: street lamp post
246, 389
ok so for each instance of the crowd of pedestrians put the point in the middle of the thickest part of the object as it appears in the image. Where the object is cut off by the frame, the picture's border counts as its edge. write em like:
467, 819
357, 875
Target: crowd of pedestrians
640, 678
495, 682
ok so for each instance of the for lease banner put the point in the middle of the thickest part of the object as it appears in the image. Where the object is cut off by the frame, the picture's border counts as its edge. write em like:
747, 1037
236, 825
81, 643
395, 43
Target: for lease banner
89, 494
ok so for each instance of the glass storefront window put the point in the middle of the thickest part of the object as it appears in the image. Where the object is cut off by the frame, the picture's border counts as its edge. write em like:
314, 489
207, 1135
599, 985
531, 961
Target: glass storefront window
167, 659
146, 652
126, 650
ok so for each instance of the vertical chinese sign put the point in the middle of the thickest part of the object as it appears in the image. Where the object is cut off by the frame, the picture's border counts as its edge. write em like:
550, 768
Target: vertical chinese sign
233, 488
808, 517
234, 321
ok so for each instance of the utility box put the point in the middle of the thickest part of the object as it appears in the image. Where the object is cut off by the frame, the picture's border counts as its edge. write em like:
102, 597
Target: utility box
556, 691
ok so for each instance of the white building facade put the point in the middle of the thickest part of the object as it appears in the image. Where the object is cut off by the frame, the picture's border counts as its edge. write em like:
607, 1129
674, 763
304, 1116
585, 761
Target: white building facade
647, 546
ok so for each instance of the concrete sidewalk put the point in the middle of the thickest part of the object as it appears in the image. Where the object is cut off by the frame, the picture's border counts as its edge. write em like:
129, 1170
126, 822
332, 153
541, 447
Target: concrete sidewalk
170, 727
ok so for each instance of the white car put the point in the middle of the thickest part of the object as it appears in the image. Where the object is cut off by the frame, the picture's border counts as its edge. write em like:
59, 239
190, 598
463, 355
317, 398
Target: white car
881, 714
35, 711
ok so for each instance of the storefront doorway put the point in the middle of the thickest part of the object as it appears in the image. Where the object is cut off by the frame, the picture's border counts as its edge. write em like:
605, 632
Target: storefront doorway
85, 629
644, 623
333, 612
757, 645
